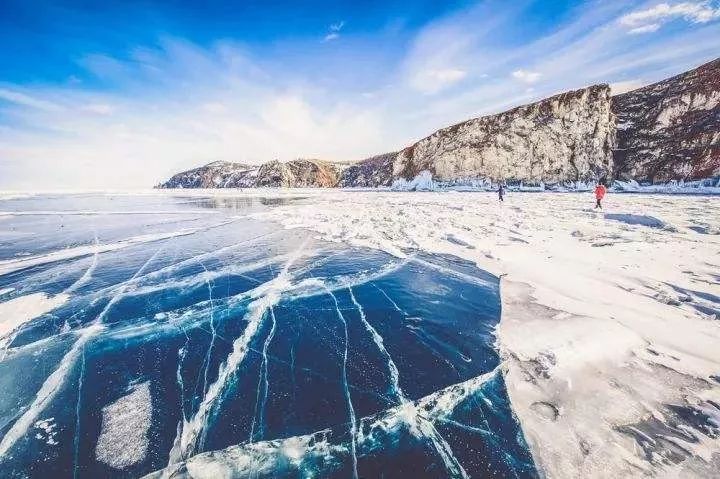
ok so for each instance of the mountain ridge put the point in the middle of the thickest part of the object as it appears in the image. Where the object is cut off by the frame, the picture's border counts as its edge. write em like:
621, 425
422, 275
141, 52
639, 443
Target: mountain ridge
669, 130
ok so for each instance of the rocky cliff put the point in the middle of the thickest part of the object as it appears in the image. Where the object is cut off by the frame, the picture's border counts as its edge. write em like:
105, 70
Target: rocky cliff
566, 137
372, 172
293, 174
670, 130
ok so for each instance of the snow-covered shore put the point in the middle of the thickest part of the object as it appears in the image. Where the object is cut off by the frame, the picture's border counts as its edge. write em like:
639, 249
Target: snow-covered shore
610, 332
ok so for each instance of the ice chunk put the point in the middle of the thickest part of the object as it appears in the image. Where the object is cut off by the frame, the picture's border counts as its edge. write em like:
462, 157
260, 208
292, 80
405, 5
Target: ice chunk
422, 182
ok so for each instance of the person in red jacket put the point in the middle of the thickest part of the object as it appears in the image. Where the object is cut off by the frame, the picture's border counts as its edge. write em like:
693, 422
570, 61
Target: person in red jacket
600, 191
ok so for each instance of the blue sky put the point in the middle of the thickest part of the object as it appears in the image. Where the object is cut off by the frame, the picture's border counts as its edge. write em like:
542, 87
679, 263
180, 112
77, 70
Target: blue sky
123, 94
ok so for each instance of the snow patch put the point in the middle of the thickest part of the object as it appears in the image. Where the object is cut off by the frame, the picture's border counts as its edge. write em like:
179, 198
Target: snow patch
18, 311
123, 439
46, 431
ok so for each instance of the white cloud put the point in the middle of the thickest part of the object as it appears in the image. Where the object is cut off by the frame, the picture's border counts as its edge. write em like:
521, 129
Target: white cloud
214, 107
435, 80
99, 108
649, 28
526, 76
334, 31
23, 99
651, 19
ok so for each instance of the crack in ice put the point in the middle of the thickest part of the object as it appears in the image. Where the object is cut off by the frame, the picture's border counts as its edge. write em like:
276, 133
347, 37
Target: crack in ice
394, 304
12, 265
262, 393
266, 457
425, 427
213, 332
88, 272
395, 388
452, 465
348, 399
264, 296
76, 441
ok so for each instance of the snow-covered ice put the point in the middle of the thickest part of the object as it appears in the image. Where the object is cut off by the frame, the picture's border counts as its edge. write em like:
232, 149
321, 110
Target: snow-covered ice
593, 349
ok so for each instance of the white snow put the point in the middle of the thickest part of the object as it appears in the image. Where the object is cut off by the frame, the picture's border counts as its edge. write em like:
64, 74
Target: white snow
123, 439
585, 331
18, 311
46, 431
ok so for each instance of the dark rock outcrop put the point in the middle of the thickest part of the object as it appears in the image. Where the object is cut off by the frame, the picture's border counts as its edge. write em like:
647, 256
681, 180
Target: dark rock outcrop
670, 130
372, 172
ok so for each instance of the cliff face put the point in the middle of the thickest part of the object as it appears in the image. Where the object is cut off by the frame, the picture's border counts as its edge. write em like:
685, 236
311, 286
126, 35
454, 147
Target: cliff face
566, 137
293, 174
671, 129
298, 174
372, 172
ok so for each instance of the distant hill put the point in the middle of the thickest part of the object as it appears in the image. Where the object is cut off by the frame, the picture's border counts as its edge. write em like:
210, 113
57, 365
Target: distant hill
293, 174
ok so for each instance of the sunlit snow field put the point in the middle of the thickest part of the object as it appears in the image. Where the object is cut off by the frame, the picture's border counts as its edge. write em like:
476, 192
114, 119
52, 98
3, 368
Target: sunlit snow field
140, 332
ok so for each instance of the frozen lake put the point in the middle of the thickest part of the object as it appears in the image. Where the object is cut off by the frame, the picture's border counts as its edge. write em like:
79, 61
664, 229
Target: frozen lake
185, 334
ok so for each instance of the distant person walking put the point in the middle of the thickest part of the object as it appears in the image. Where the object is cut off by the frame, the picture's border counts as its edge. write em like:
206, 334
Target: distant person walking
600, 191
501, 192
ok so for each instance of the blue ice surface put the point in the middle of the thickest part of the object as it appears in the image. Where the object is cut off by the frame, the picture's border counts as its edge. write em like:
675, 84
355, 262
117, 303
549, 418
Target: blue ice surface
353, 335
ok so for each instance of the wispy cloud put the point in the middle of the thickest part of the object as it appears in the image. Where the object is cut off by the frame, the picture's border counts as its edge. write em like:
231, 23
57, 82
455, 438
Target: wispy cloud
649, 28
651, 19
23, 99
334, 31
526, 76
98, 108
435, 80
